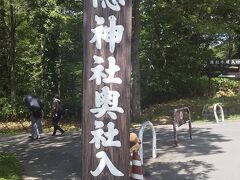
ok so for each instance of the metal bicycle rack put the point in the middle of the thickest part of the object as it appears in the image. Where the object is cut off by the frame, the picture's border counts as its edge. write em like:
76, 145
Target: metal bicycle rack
181, 116
215, 112
140, 136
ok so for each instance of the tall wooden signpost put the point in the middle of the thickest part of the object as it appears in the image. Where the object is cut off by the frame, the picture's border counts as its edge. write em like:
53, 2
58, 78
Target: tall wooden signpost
106, 100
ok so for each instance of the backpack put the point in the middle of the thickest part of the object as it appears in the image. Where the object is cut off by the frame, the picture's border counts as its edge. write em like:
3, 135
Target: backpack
36, 110
37, 113
61, 109
35, 105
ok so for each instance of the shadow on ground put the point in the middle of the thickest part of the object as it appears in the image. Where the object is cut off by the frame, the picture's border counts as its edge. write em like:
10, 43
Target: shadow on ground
51, 157
59, 157
190, 170
167, 165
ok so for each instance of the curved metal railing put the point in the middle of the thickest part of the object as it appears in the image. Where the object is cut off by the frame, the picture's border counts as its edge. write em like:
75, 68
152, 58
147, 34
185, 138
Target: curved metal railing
140, 136
215, 112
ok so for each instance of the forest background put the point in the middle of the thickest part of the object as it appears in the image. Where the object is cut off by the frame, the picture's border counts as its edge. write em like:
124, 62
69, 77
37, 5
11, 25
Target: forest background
173, 40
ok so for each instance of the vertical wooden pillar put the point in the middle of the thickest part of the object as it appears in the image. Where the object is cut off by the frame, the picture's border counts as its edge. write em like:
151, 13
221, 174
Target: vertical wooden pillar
97, 17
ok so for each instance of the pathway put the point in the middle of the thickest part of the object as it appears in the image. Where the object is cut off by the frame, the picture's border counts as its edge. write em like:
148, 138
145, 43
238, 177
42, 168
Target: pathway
213, 154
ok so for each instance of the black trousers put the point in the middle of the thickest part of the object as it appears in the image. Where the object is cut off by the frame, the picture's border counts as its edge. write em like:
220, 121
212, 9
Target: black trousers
55, 121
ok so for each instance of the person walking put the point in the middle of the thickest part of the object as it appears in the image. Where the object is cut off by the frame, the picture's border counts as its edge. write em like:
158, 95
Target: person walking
57, 112
35, 106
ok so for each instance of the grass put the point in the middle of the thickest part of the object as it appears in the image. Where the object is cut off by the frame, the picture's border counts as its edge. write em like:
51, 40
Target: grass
24, 126
10, 167
163, 113
157, 114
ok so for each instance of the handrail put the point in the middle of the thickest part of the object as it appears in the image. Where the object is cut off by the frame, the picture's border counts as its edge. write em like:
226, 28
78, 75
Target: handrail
140, 136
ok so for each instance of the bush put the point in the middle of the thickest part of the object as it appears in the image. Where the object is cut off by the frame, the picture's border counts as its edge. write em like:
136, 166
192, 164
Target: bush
227, 93
179, 87
6, 108
221, 87
10, 167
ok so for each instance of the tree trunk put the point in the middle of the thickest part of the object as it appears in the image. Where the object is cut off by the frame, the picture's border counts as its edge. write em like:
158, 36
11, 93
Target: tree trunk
4, 63
135, 93
59, 71
12, 56
43, 92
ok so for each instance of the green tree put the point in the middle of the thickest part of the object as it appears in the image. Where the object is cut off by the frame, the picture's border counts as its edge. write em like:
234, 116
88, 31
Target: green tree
135, 88
4, 70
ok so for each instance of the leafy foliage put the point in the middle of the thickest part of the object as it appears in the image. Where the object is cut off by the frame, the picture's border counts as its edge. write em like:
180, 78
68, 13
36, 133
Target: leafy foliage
48, 53
6, 109
10, 167
177, 39
224, 87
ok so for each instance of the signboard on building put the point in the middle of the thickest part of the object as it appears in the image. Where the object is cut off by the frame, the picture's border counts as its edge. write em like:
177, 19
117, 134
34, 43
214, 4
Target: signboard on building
106, 98
225, 62
229, 68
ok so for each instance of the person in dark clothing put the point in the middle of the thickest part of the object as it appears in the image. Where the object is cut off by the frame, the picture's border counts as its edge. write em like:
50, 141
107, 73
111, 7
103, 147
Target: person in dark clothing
56, 115
35, 105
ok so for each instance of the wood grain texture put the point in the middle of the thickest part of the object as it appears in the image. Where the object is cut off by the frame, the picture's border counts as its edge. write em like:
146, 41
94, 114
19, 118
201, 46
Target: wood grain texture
118, 155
